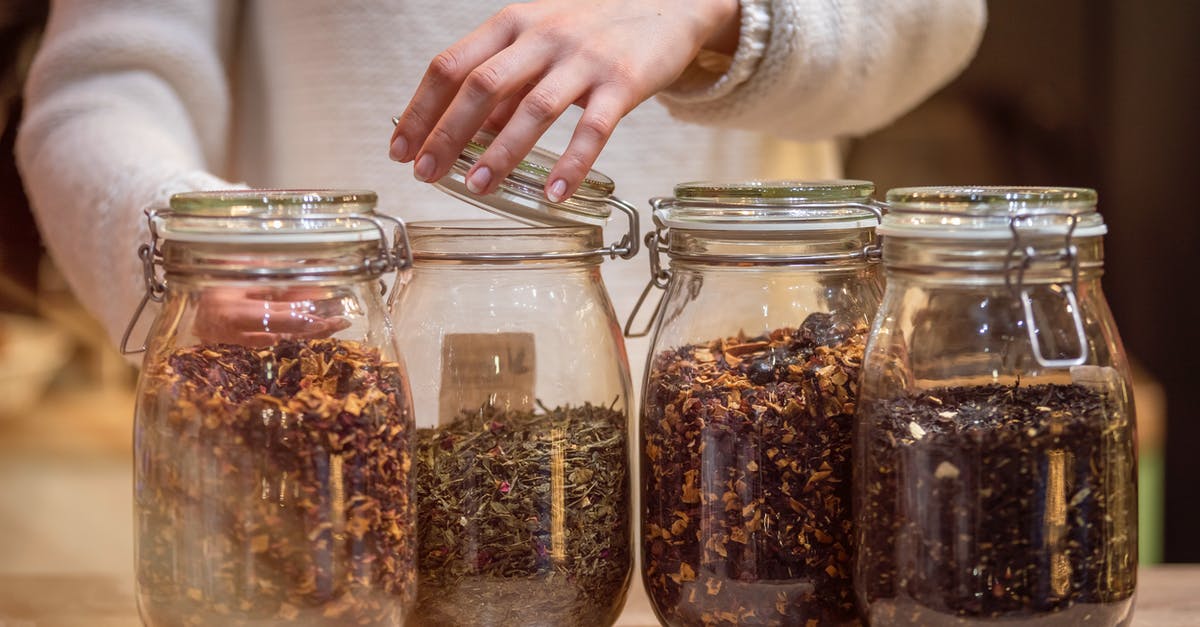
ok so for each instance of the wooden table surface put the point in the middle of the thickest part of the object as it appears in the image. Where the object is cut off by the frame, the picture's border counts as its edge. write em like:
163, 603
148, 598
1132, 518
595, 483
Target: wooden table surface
1168, 596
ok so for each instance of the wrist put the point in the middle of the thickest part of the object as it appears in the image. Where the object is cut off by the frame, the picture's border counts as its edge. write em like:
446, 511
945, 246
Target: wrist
727, 19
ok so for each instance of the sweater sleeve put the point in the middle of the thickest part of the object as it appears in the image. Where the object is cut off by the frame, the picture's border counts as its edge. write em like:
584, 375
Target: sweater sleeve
819, 69
127, 102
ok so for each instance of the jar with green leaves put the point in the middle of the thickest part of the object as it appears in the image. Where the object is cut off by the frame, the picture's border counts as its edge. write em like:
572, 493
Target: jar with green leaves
522, 391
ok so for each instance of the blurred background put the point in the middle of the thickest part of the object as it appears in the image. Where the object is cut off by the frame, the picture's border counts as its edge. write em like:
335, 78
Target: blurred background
1093, 93
1101, 94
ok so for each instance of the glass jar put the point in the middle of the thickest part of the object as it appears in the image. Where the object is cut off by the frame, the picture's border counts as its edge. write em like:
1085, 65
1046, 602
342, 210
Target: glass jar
994, 447
522, 398
748, 400
273, 429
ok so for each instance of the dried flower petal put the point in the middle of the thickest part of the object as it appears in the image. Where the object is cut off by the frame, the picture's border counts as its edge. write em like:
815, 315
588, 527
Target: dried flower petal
273, 484
524, 517
748, 441
1023, 492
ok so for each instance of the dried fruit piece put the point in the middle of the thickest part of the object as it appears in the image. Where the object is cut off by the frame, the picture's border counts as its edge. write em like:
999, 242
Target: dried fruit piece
273, 485
746, 477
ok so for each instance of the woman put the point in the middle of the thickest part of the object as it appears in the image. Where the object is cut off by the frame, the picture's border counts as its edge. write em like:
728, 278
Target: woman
129, 102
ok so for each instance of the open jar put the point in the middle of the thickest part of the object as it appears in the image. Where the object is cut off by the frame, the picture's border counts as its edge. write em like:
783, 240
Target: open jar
749, 397
522, 395
994, 450
273, 429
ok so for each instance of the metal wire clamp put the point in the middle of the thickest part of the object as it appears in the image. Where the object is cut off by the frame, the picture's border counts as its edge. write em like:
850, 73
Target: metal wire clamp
396, 257
656, 244
1021, 257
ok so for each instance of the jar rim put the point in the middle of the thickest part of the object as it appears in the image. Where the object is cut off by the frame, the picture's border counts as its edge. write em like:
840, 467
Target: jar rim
991, 199
779, 191
768, 205
279, 216
490, 227
499, 240
991, 212
234, 202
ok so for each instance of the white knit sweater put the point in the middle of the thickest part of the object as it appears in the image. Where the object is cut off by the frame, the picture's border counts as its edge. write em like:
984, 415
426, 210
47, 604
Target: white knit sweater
130, 101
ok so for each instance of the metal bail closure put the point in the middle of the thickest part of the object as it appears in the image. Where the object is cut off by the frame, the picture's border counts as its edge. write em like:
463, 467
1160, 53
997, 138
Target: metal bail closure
874, 250
155, 286
659, 277
395, 257
1020, 258
628, 246
656, 245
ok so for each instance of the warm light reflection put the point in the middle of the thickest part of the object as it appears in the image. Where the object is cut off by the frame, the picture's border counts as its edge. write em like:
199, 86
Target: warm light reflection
339, 496
1056, 520
558, 533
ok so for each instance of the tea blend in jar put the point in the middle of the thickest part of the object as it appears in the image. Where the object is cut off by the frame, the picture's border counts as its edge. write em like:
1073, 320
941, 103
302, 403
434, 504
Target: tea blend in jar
747, 453
1008, 489
522, 399
994, 451
273, 433
525, 516
290, 463
751, 389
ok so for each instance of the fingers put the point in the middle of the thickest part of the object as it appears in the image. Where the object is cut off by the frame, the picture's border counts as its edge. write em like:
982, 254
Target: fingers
442, 81
522, 69
251, 318
604, 109
541, 106
487, 86
504, 111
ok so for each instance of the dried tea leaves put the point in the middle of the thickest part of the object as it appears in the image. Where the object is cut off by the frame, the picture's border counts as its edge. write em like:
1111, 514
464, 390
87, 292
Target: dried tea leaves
524, 518
274, 486
746, 477
994, 502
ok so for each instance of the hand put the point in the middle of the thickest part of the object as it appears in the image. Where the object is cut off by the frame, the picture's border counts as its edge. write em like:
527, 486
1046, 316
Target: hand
519, 71
262, 317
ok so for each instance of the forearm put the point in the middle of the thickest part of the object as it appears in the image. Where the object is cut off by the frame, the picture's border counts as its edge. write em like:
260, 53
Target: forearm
123, 107
88, 177
814, 69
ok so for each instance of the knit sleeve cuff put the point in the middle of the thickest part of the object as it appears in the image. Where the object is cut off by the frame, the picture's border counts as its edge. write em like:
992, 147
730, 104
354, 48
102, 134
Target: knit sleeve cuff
188, 181
713, 75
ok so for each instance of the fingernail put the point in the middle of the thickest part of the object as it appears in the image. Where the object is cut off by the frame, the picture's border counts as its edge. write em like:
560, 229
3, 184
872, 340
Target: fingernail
479, 179
557, 190
399, 149
424, 168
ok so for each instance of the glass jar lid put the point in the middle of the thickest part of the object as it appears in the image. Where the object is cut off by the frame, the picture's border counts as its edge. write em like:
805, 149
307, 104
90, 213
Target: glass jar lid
520, 196
991, 213
270, 217
782, 205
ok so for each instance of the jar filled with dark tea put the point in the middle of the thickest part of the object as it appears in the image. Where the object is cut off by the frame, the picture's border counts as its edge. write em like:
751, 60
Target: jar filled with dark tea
273, 432
521, 387
748, 400
994, 446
